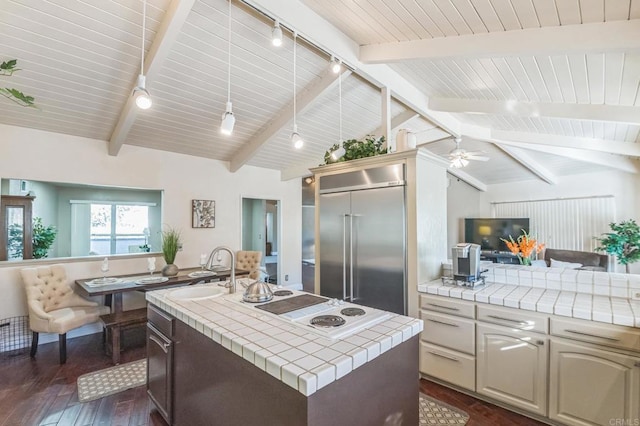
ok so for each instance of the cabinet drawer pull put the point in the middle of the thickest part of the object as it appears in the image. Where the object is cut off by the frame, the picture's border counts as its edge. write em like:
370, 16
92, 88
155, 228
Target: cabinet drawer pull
443, 323
508, 319
444, 356
442, 307
612, 339
163, 346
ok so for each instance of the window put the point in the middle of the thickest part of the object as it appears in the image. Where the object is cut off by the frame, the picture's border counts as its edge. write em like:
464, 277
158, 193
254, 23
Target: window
118, 228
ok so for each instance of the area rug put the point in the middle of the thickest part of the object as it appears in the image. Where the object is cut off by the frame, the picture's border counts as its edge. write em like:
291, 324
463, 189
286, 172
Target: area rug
112, 380
434, 412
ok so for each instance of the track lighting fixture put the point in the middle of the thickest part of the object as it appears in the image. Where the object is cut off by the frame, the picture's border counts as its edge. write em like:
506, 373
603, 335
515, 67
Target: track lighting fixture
140, 92
276, 34
336, 65
296, 140
228, 119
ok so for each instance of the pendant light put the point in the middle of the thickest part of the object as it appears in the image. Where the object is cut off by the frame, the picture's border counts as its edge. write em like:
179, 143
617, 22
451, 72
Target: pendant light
276, 34
336, 65
296, 140
338, 153
140, 93
228, 119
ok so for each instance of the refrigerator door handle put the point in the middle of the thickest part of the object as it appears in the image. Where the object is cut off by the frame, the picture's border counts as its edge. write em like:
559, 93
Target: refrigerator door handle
344, 256
351, 259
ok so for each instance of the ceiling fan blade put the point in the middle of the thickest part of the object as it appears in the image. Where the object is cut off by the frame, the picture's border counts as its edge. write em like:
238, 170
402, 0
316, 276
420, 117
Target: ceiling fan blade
477, 157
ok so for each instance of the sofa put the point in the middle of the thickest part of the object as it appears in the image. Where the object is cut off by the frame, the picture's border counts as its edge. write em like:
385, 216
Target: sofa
588, 260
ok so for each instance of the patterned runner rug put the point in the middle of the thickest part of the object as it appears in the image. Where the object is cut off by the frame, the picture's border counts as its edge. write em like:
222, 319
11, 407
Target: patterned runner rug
434, 412
112, 380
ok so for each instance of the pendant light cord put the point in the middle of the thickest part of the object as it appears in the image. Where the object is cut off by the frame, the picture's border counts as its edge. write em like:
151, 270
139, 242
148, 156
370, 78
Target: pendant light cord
144, 20
229, 58
340, 105
295, 37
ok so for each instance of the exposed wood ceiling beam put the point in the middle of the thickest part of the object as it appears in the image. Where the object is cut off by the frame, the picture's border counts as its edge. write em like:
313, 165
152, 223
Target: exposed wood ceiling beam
529, 163
174, 19
385, 125
465, 177
614, 113
604, 158
303, 170
311, 26
282, 118
595, 37
600, 145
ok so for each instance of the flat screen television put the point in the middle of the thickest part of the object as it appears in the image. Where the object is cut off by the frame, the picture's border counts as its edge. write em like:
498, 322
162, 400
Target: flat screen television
487, 232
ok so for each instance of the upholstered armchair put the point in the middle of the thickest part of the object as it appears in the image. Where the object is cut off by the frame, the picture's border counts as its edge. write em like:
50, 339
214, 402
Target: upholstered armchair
249, 261
54, 307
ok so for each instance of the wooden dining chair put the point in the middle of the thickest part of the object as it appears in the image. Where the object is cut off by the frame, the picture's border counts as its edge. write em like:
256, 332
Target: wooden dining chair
54, 307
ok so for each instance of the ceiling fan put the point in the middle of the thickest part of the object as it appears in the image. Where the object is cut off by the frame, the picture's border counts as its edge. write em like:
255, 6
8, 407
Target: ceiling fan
459, 157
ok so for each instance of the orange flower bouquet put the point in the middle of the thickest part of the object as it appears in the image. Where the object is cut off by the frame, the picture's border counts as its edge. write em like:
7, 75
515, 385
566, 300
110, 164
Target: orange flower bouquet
523, 247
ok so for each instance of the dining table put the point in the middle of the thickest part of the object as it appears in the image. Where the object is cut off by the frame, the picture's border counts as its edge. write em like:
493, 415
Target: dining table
113, 287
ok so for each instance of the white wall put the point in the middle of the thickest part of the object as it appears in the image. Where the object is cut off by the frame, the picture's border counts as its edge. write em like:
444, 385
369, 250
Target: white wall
38, 155
623, 186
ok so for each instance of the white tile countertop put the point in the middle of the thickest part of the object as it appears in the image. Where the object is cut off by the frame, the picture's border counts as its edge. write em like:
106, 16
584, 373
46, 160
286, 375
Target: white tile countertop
303, 360
588, 306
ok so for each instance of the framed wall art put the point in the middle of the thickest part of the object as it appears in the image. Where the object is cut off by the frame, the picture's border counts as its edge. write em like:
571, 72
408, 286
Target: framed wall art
203, 214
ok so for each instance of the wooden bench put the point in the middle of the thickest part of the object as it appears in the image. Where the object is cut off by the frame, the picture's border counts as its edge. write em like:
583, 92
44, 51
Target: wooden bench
115, 323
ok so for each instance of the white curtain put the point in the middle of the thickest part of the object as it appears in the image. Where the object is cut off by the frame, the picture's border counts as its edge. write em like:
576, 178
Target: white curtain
568, 224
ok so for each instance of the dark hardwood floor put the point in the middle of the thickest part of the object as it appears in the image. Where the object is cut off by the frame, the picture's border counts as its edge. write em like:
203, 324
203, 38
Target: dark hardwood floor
41, 392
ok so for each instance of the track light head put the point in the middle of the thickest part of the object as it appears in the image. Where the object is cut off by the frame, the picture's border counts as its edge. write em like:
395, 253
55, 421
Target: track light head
296, 140
336, 65
141, 94
276, 34
228, 121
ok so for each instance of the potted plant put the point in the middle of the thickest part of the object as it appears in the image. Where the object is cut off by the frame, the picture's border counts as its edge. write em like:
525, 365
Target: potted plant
623, 242
170, 247
43, 238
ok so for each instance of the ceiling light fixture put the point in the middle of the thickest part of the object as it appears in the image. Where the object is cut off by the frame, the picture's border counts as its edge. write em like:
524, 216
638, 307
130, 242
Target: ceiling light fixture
296, 140
336, 65
228, 119
140, 92
276, 34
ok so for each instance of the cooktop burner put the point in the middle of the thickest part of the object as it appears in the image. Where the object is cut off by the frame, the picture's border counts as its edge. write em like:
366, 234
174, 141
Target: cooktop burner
327, 321
282, 293
352, 312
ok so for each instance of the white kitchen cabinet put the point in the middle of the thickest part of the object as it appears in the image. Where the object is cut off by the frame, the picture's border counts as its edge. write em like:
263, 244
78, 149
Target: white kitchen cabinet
591, 386
512, 367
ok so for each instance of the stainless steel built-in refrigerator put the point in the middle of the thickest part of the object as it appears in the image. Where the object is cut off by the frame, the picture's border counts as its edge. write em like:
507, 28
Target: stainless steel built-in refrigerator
362, 237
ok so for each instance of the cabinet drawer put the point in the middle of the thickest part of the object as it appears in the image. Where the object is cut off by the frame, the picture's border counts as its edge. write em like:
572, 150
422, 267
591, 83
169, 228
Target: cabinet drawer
448, 306
606, 334
450, 366
449, 331
514, 318
161, 320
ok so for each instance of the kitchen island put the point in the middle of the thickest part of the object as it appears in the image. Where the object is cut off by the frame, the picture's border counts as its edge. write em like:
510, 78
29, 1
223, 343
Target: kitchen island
215, 360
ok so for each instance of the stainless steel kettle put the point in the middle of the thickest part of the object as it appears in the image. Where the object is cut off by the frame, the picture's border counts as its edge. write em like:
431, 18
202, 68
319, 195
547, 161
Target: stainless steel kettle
258, 292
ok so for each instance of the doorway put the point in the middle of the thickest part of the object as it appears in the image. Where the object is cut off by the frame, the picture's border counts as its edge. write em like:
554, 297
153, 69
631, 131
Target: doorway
261, 232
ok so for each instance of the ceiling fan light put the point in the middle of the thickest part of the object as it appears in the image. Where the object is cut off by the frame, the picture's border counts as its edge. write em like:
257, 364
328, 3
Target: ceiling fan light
228, 121
141, 94
458, 163
276, 35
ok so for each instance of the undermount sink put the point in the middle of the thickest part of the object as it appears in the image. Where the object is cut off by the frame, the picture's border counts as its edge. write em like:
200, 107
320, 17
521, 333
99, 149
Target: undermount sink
196, 292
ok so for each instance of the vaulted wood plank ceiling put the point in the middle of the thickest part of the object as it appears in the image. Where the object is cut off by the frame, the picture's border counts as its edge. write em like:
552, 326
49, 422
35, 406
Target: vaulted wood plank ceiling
480, 69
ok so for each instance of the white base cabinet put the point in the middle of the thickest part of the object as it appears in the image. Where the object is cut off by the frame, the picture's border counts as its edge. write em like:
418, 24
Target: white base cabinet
590, 386
512, 367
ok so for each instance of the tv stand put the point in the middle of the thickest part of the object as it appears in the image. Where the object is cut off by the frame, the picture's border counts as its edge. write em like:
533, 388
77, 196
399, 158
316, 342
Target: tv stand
500, 257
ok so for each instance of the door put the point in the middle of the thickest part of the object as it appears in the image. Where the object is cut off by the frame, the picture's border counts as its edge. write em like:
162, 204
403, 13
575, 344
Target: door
334, 245
589, 386
512, 367
378, 251
160, 371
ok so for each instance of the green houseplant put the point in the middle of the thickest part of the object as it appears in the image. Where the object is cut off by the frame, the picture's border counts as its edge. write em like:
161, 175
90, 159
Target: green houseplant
43, 238
623, 242
354, 149
170, 247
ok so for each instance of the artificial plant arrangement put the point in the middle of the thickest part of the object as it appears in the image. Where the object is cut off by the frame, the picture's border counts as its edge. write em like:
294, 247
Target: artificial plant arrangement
7, 68
623, 242
523, 247
354, 149
170, 247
